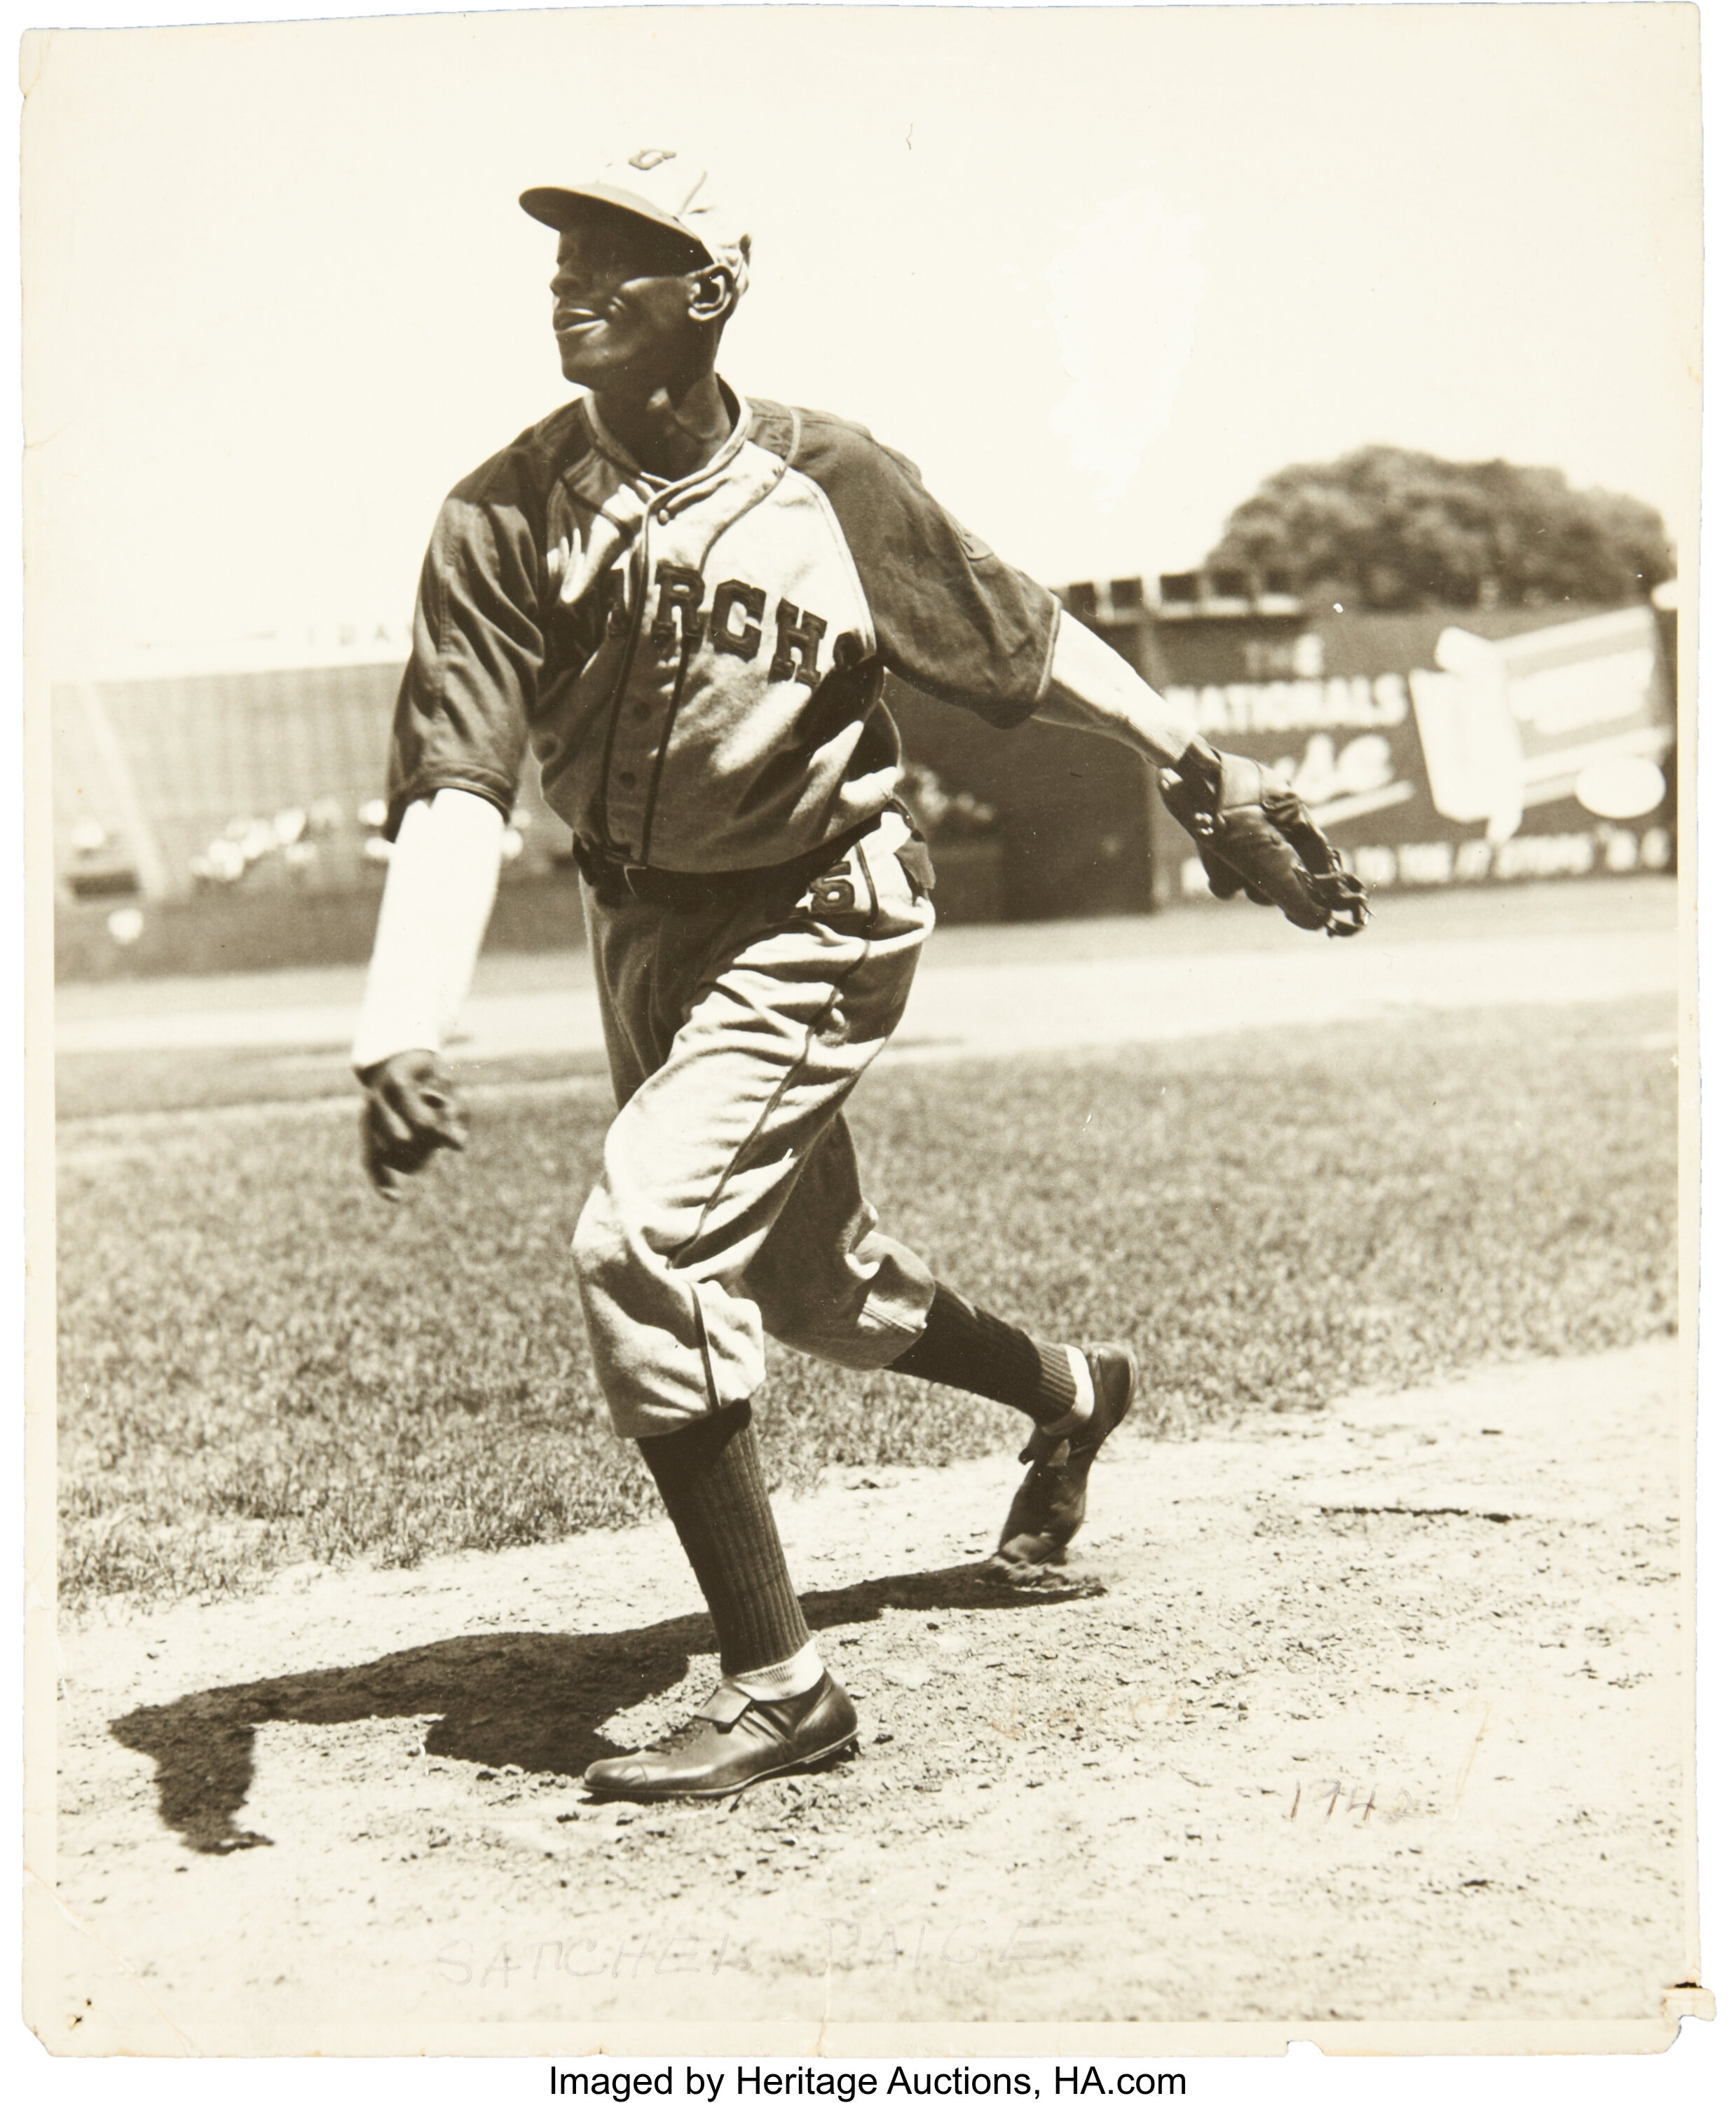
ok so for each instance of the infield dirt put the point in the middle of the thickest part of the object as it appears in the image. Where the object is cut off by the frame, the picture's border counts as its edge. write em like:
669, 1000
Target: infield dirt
1378, 1712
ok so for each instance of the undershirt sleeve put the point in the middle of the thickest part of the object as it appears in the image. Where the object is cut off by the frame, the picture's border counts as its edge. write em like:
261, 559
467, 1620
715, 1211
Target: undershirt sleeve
440, 891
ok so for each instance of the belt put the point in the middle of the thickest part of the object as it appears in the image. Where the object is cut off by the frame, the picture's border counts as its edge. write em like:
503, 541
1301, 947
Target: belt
684, 891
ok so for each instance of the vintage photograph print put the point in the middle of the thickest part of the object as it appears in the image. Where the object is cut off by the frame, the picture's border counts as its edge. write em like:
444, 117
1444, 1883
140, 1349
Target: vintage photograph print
860, 842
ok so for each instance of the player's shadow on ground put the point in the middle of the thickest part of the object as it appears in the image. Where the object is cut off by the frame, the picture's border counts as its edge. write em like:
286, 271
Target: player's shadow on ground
530, 1700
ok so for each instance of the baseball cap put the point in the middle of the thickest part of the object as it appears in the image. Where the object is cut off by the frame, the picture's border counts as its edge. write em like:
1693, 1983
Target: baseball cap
659, 185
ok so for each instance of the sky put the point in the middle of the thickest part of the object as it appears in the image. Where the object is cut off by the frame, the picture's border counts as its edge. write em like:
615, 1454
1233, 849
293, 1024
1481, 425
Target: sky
1098, 271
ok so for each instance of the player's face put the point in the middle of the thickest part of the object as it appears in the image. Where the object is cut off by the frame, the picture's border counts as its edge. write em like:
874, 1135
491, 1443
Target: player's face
621, 300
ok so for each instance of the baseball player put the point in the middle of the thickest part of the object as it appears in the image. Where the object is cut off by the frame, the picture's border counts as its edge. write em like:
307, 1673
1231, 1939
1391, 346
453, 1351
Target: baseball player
689, 605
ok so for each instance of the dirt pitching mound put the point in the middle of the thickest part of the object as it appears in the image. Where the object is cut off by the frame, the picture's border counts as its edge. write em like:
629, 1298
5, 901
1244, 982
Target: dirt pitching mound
1375, 1711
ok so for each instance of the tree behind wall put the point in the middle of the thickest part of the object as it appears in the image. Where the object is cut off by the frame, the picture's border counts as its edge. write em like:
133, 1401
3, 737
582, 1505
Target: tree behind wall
1389, 530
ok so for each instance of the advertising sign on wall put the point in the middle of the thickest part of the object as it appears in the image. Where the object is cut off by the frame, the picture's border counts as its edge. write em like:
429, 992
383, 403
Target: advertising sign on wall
1438, 748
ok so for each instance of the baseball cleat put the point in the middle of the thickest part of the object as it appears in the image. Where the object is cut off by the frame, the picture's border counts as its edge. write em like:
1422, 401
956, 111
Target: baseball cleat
733, 1741
1049, 1509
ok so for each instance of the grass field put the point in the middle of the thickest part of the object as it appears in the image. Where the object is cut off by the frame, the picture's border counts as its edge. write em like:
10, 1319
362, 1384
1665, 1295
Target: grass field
261, 1365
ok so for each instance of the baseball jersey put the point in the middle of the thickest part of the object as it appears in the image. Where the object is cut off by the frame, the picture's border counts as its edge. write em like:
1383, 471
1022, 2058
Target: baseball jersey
700, 666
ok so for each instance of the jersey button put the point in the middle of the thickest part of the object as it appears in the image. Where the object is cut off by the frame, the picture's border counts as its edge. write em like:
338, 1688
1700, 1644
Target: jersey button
628, 780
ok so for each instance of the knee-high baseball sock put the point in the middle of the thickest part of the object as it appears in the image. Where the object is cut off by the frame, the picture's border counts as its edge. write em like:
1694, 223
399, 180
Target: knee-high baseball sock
708, 1476
964, 1346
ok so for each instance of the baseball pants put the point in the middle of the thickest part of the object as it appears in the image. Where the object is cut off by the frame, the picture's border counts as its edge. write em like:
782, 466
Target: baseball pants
729, 1203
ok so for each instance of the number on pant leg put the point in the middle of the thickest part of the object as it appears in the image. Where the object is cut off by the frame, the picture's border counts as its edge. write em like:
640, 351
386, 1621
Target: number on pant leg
837, 894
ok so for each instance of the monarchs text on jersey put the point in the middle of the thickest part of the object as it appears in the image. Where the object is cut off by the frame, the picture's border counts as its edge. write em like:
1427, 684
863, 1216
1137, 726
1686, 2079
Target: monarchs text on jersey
700, 666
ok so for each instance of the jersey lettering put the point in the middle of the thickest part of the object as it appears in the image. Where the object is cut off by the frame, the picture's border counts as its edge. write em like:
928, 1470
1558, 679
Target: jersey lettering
732, 621
678, 586
742, 641
755, 726
797, 655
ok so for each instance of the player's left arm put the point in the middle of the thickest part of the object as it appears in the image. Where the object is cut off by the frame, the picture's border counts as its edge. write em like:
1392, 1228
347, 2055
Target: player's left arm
954, 621
1093, 687
1253, 832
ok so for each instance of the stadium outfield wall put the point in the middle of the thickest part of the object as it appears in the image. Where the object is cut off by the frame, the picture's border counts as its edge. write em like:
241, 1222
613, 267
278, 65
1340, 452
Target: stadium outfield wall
226, 820
1440, 749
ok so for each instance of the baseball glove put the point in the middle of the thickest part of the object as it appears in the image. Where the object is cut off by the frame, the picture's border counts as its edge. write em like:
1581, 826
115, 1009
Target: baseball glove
1255, 834
410, 1114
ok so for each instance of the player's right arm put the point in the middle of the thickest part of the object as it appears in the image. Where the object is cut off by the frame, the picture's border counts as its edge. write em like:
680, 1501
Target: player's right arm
440, 891
457, 742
